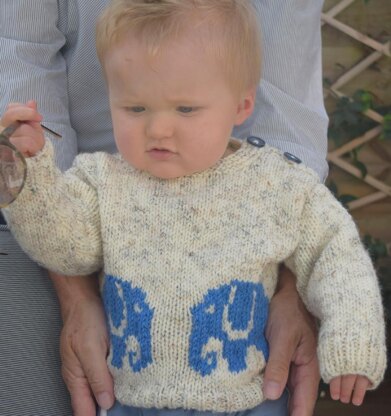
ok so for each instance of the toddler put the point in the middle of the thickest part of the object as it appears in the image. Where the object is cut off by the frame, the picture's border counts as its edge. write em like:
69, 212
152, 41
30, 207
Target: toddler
190, 225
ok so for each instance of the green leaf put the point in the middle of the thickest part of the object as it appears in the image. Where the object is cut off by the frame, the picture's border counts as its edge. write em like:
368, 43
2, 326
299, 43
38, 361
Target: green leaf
363, 169
354, 154
345, 199
376, 248
386, 128
333, 188
343, 101
351, 117
365, 98
338, 118
358, 107
347, 121
384, 274
336, 135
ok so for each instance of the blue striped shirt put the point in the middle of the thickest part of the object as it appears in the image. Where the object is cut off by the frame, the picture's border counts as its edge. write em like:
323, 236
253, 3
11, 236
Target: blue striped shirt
48, 54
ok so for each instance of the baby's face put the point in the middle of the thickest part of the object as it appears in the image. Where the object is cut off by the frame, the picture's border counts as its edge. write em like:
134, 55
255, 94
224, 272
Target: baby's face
173, 113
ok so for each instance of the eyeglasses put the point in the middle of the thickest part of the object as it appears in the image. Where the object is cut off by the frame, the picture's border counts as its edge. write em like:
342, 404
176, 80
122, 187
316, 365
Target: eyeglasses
13, 167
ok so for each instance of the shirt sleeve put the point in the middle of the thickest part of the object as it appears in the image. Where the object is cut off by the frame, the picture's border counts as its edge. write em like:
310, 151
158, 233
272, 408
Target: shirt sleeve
32, 66
55, 218
339, 285
289, 112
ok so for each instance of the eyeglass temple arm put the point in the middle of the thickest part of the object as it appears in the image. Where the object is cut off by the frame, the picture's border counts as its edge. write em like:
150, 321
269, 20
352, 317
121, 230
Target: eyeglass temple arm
10, 130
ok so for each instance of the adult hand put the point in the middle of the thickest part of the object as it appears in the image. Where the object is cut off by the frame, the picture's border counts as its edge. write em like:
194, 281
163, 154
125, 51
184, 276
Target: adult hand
84, 344
291, 333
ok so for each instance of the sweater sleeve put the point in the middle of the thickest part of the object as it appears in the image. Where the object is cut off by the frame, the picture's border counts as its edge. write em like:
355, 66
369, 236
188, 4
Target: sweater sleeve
339, 286
56, 218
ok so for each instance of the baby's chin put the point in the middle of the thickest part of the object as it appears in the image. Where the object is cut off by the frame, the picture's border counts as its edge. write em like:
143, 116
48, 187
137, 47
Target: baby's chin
159, 172
171, 174
174, 167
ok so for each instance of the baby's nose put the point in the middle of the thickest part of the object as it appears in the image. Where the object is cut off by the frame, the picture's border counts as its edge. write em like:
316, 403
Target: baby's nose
160, 126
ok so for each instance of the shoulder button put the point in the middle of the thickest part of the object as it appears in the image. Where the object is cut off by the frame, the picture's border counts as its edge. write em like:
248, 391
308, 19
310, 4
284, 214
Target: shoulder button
256, 141
291, 158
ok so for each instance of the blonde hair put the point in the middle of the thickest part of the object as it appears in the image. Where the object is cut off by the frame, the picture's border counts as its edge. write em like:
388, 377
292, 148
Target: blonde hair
232, 31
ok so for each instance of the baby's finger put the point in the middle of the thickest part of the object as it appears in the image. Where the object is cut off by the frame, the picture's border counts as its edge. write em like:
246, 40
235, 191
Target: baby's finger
20, 113
360, 388
32, 104
347, 385
29, 103
27, 145
14, 104
335, 388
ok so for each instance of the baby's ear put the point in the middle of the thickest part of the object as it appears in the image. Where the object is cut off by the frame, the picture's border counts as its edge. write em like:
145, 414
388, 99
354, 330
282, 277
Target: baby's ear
245, 106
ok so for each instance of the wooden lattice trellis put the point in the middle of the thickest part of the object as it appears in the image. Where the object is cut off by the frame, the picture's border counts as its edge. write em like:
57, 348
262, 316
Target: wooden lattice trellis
378, 51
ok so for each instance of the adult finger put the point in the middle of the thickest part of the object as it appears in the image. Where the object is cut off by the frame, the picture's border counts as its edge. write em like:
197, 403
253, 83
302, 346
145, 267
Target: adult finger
82, 400
303, 385
93, 359
84, 346
282, 348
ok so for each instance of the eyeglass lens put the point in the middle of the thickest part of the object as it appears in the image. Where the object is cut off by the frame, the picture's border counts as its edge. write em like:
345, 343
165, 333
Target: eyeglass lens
12, 174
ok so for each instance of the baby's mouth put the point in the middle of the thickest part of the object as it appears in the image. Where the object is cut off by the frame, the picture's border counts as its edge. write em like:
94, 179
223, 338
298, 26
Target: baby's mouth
160, 153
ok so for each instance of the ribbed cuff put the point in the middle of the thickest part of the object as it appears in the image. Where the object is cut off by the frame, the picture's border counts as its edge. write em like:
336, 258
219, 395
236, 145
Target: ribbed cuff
41, 165
353, 353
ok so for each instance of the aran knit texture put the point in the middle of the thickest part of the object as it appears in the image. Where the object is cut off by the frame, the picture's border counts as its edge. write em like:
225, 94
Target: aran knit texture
190, 265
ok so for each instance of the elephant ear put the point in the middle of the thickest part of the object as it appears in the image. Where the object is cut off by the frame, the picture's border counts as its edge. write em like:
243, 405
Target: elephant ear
240, 305
113, 302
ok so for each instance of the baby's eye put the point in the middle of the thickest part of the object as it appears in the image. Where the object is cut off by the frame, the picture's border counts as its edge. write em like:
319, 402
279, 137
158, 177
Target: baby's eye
136, 109
185, 110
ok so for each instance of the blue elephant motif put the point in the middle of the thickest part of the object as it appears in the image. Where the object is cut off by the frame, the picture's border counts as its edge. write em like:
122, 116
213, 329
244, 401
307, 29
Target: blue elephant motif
130, 319
236, 314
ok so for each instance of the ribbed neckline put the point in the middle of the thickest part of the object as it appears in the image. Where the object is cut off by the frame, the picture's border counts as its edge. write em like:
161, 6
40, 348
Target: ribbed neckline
238, 160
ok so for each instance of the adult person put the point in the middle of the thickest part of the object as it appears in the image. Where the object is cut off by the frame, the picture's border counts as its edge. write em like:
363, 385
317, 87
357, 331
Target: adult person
48, 54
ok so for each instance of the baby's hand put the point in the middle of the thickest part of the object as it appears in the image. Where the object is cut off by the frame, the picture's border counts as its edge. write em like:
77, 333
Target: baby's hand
28, 138
341, 388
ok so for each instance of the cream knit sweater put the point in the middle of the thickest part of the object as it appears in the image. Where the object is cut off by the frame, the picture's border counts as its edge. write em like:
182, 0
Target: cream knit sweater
190, 265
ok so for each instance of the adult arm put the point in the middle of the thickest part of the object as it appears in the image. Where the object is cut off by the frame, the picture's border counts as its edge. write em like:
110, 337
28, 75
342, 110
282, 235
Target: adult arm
292, 336
84, 343
32, 66
290, 113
